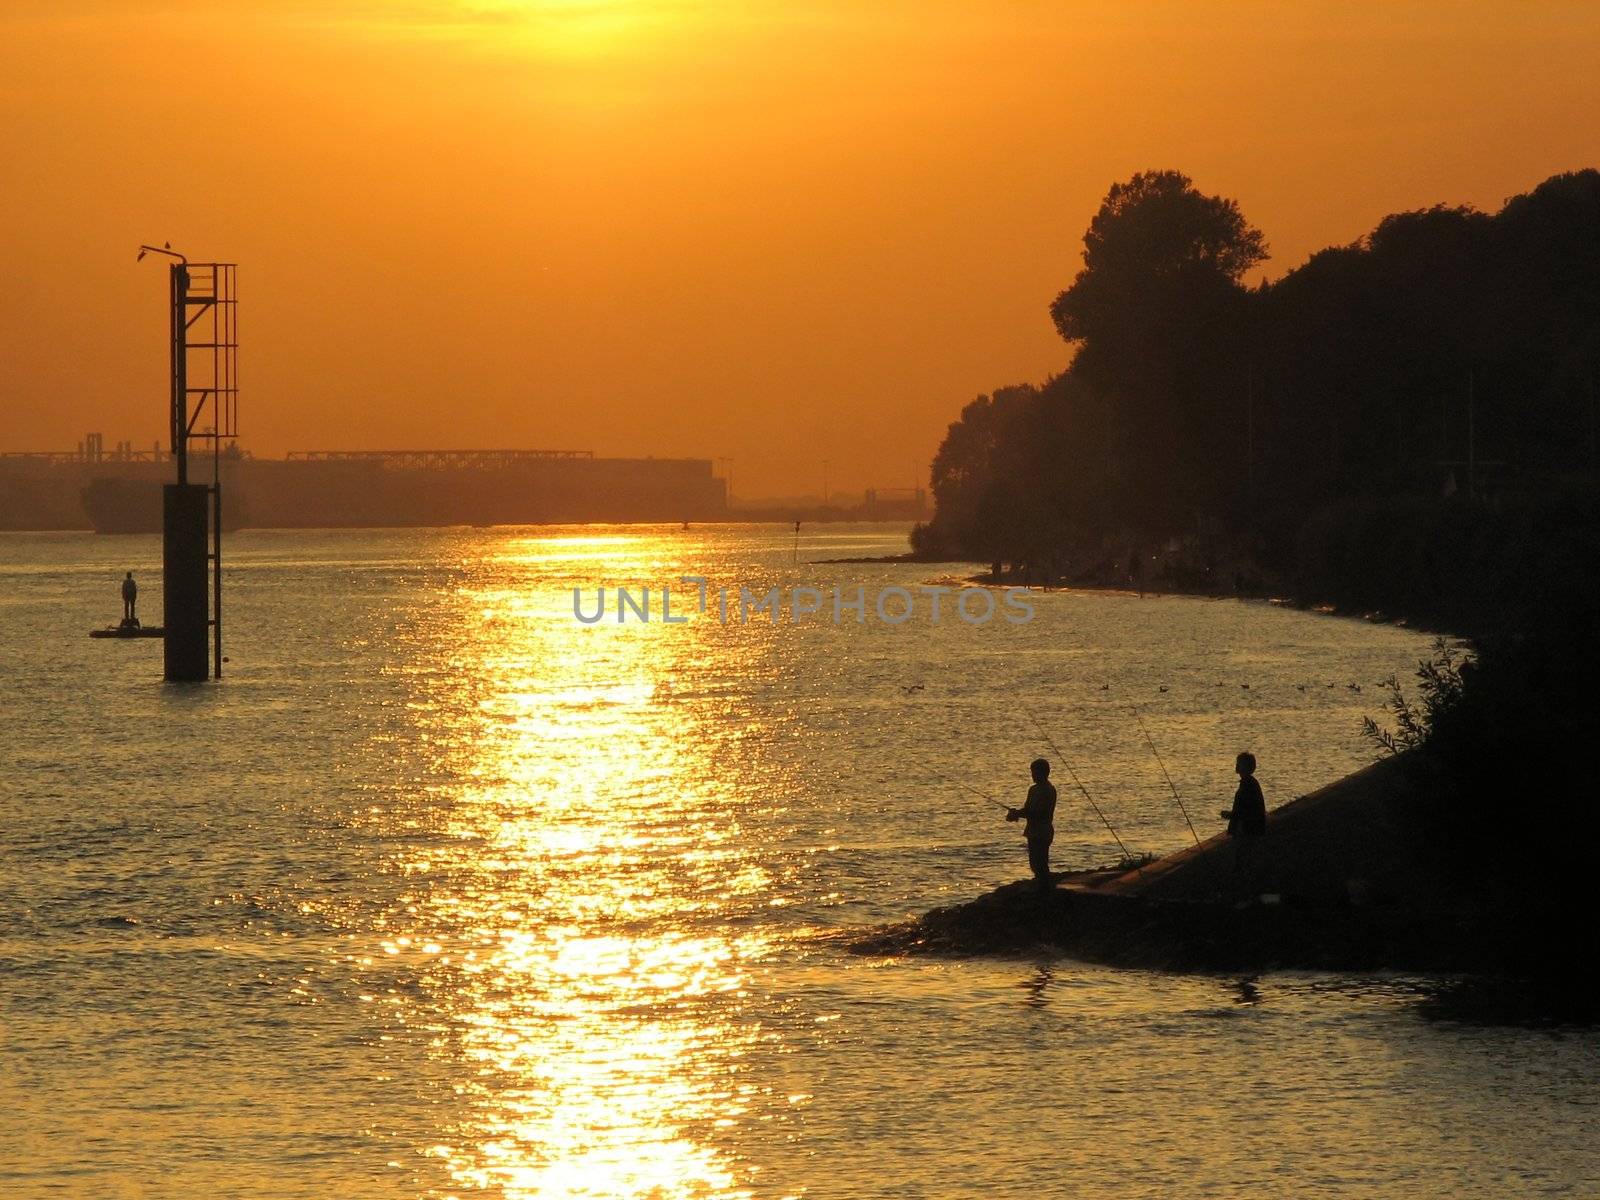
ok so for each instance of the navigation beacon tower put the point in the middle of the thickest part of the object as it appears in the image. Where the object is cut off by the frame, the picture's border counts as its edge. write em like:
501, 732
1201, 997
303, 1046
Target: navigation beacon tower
204, 407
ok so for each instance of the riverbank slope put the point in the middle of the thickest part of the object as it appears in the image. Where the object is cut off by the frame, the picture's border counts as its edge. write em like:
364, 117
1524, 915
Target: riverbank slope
1346, 879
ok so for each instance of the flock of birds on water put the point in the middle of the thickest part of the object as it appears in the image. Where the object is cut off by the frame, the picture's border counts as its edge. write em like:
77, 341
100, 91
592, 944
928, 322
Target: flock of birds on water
912, 688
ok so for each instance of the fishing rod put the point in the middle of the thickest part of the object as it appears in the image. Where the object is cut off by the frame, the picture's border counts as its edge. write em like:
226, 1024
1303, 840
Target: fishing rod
1134, 708
1063, 759
980, 795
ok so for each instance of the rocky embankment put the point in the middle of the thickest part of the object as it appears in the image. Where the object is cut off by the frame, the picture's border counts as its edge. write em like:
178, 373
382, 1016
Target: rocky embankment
1344, 880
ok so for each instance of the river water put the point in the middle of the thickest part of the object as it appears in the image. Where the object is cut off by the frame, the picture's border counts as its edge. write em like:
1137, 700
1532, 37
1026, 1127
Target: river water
442, 892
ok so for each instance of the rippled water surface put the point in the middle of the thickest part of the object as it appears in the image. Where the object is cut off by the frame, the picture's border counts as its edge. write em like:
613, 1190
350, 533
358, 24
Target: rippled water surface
442, 893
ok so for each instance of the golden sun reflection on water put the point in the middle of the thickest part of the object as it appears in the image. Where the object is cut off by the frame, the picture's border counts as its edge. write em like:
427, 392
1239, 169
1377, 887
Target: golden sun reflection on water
594, 1099
597, 1028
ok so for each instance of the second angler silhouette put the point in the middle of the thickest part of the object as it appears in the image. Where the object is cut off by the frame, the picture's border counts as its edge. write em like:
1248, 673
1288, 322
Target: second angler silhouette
1247, 819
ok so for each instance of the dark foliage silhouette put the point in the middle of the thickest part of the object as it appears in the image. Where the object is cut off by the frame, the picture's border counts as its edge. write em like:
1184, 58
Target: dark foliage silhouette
1383, 425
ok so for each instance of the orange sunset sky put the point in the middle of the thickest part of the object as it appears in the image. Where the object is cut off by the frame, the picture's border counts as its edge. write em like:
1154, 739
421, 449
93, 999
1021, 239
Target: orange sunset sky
775, 232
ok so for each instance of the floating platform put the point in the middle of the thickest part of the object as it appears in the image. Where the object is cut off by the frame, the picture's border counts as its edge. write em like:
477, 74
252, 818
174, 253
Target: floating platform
129, 631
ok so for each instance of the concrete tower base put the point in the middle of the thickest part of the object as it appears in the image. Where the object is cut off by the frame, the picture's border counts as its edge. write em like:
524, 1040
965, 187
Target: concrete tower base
183, 581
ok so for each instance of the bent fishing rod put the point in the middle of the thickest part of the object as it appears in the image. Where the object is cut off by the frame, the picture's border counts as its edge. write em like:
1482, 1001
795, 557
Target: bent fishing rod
1134, 709
1063, 760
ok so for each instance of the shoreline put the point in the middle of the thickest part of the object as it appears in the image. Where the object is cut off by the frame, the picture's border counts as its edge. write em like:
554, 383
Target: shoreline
1347, 879
1320, 608
875, 559
1323, 609
1451, 630
1105, 928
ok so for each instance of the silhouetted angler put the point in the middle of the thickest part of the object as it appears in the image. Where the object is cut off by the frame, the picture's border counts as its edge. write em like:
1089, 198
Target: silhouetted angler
1039, 812
130, 597
1247, 819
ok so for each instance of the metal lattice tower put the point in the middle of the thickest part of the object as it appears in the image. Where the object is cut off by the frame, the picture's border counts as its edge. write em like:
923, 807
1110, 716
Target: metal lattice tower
203, 404
205, 358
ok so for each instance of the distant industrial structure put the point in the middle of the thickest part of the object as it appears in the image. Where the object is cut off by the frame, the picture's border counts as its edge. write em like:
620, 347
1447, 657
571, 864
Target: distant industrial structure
119, 490
476, 487
895, 504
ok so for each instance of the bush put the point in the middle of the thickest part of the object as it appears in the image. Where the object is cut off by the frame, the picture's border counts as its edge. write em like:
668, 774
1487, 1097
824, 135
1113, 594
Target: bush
1439, 679
1502, 743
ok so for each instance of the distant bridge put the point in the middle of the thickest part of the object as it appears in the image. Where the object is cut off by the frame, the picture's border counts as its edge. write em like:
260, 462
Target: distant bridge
482, 460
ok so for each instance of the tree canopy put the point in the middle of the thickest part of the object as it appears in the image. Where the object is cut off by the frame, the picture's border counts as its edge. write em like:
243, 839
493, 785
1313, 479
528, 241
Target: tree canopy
1154, 236
1371, 370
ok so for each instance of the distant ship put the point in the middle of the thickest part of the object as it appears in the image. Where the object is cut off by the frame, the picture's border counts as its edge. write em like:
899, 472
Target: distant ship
121, 504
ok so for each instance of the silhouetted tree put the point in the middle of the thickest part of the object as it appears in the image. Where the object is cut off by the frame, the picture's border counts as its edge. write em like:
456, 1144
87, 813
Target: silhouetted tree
978, 476
1194, 402
1154, 236
1158, 315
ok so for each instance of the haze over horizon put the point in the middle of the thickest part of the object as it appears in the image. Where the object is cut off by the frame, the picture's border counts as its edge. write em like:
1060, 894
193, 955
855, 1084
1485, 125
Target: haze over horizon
772, 233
